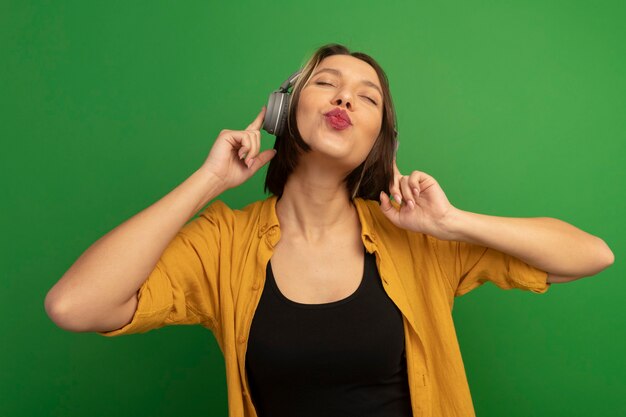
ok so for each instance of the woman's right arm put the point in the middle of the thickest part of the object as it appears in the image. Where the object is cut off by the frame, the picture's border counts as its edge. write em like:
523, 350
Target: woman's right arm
100, 290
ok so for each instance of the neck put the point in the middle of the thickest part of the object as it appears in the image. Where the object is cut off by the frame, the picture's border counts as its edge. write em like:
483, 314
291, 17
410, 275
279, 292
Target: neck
314, 206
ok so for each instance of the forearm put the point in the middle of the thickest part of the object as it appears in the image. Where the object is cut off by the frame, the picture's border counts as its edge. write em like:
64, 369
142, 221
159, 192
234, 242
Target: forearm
549, 244
111, 271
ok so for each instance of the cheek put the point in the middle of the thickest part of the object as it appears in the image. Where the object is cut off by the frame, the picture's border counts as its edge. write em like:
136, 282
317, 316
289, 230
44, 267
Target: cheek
373, 131
379, 121
374, 128
303, 110
370, 146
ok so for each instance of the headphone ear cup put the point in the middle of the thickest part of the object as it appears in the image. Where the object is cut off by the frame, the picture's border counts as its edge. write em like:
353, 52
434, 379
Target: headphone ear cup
276, 115
284, 114
269, 121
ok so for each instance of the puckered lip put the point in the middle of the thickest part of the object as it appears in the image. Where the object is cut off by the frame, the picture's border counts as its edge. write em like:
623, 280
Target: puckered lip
337, 112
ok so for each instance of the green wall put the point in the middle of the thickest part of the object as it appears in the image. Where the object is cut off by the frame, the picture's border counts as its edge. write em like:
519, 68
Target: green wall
516, 108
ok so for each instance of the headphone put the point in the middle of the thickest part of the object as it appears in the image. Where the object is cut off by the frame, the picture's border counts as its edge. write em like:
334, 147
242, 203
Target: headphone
278, 105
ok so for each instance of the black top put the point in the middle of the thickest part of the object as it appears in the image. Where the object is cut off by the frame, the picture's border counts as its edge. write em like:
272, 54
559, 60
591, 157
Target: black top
344, 358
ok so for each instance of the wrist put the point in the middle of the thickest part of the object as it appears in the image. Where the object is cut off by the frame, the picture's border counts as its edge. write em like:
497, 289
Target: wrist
211, 185
450, 224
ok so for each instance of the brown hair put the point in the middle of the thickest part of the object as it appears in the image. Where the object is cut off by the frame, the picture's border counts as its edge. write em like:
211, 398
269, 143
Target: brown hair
368, 179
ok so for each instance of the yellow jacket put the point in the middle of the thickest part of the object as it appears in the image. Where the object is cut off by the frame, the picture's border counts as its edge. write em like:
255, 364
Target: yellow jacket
213, 271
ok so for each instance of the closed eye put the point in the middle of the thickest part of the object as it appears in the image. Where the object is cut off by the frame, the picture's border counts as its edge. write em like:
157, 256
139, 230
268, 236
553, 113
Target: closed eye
368, 98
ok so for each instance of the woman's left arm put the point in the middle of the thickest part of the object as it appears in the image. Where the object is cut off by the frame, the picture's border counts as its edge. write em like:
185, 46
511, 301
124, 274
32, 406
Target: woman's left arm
563, 251
552, 245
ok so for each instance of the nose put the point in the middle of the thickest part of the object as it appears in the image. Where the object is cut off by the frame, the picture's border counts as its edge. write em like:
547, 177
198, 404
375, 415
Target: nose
343, 98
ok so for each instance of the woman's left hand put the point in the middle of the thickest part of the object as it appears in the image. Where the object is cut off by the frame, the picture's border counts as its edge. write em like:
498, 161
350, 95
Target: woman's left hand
424, 206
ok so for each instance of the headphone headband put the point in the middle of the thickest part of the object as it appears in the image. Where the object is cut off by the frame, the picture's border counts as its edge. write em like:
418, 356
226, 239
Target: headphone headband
289, 81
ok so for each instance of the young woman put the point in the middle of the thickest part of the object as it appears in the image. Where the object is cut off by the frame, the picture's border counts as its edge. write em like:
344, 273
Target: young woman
324, 301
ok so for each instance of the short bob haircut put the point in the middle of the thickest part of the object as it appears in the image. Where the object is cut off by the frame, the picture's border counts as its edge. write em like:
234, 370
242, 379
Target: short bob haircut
368, 179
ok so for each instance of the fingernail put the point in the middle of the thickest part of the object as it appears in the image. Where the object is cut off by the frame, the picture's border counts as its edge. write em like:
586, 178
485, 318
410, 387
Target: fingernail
398, 198
243, 156
416, 191
411, 204
250, 162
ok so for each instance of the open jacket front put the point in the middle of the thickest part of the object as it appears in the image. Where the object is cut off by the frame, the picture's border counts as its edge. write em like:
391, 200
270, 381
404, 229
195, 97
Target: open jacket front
213, 272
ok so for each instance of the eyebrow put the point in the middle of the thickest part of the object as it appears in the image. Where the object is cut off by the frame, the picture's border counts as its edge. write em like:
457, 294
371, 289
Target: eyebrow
337, 72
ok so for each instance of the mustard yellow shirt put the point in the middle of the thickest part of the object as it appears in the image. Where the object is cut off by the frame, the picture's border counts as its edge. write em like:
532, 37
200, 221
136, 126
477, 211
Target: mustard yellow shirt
213, 271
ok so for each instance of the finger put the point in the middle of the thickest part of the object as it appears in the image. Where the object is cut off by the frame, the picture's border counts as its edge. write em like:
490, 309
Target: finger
414, 183
255, 145
385, 203
263, 158
407, 194
388, 209
235, 138
394, 189
246, 145
258, 122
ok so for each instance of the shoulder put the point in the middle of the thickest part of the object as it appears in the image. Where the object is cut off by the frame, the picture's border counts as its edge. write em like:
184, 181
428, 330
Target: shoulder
373, 218
221, 213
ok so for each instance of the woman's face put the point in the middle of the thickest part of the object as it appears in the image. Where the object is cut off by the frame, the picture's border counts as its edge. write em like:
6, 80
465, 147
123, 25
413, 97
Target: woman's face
350, 84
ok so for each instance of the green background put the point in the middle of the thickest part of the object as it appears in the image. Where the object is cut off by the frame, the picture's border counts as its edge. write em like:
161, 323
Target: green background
516, 108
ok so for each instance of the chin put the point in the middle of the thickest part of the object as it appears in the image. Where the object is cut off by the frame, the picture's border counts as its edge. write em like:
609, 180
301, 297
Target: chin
332, 145
335, 144
343, 160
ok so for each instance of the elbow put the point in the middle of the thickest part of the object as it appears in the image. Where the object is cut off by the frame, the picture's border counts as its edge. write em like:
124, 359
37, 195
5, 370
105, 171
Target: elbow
58, 313
598, 257
605, 257
51, 306
55, 311
601, 257
609, 256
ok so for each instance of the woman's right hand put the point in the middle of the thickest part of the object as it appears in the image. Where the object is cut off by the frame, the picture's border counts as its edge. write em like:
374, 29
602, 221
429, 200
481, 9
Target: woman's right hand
225, 158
